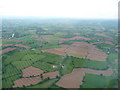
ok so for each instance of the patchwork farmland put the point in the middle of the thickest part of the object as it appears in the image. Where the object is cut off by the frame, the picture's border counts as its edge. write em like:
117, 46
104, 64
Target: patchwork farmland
26, 82
77, 76
55, 54
79, 49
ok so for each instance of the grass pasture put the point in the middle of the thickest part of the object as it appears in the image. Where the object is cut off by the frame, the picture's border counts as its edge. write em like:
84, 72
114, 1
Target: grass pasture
97, 81
8, 82
44, 84
84, 63
68, 67
42, 66
10, 70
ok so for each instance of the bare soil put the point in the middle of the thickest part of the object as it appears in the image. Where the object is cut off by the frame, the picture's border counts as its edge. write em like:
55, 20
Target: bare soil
51, 75
6, 50
26, 82
74, 79
18, 45
31, 71
80, 49
74, 38
102, 35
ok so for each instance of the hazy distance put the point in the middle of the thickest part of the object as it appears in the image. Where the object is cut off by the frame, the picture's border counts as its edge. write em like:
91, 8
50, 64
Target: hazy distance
105, 9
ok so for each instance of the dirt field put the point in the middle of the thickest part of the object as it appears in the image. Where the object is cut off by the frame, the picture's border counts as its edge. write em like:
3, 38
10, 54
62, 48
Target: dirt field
103, 42
93, 53
107, 72
26, 82
51, 75
75, 51
80, 49
74, 38
102, 35
31, 71
74, 79
18, 45
87, 50
65, 46
54, 52
96, 54
117, 46
6, 50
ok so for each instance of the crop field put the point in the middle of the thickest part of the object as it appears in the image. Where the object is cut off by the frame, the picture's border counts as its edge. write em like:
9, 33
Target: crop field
77, 76
103, 42
79, 49
74, 38
100, 65
31, 71
55, 54
103, 35
91, 80
42, 65
18, 45
26, 81
45, 84
51, 75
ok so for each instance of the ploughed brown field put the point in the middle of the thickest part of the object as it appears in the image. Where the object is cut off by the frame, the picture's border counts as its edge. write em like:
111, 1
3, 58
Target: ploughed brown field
80, 50
18, 45
103, 42
74, 79
54, 52
31, 71
102, 35
51, 75
6, 50
74, 38
26, 81
117, 46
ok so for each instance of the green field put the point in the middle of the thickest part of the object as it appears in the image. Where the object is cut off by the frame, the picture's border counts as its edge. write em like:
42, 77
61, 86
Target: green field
44, 84
96, 81
52, 31
84, 63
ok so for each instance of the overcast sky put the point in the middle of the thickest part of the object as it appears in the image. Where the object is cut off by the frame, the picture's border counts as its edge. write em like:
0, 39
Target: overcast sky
60, 8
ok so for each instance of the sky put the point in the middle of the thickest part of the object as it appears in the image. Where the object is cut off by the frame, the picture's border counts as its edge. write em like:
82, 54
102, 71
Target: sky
107, 9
